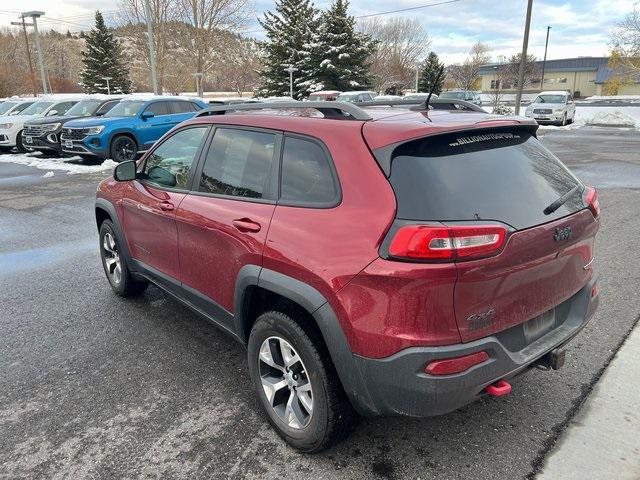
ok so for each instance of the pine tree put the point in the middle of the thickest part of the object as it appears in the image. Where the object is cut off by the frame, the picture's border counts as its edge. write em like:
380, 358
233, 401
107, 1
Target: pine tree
338, 53
103, 57
289, 31
429, 74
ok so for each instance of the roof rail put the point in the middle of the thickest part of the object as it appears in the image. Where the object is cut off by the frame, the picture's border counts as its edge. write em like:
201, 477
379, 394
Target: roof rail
339, 110
417, 104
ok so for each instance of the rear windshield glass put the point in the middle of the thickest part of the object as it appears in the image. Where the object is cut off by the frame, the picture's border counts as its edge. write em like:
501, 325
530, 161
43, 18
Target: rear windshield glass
508, 176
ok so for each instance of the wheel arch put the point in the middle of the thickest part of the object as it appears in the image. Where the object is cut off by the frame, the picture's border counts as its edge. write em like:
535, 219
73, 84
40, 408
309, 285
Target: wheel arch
105, 210
260, 289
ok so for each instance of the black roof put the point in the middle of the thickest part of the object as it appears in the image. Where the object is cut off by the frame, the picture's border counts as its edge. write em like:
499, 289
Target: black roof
580, 64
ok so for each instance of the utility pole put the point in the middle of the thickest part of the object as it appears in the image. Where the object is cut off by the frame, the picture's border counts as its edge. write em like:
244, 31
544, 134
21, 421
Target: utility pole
152, 52
26, 44
417, 73
523, 58
108, 86
291, 69
544, 62
34, 16
198, 76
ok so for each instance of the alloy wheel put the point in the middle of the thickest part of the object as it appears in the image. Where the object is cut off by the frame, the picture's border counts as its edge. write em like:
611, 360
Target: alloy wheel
111, 258
285, 382
124, 149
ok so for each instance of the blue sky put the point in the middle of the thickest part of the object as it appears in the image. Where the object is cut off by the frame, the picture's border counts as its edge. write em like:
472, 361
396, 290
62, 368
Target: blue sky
579, 27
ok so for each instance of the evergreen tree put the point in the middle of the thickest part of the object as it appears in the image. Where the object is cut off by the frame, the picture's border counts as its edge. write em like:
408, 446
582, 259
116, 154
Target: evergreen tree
103, 57
429, 74
289, 32
338, 53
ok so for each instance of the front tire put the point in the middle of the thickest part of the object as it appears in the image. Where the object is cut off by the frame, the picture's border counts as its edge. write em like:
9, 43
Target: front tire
123, 148
19, 146
297, 385
115, 264
563, 123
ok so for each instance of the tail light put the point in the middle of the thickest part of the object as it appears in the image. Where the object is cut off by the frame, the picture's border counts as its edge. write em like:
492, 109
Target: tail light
591, 199
450, 366
425, 242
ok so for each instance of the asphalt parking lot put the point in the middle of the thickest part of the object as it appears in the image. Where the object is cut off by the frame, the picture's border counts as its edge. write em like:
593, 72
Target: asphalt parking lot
94, 386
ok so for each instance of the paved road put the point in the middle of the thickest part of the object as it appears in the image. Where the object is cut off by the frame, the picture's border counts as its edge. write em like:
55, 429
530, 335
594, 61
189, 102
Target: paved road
95, 386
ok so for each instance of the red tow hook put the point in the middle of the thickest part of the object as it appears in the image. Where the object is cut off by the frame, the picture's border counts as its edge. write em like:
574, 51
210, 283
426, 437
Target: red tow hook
499, 389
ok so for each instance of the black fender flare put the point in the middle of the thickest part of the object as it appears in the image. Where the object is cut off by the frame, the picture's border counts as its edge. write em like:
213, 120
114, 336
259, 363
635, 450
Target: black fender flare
317, 305
110, 209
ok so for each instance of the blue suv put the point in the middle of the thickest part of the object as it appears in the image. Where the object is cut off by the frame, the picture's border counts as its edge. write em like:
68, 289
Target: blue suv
130, 127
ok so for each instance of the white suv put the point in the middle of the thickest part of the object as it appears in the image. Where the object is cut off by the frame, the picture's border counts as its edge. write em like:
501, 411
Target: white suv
552, 107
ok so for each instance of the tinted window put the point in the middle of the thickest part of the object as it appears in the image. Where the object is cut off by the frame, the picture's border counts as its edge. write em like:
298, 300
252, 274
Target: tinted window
106, 107
181, 107
169, 164
238, 163
306, 173
491, 175
159, 108
22, 107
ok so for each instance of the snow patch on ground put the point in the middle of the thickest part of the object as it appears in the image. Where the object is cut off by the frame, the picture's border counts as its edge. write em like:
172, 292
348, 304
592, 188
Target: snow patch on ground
49, 174
71, 165
596, 98
617, 118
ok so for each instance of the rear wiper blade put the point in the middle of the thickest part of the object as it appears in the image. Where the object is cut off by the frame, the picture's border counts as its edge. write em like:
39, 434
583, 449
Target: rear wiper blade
561, 201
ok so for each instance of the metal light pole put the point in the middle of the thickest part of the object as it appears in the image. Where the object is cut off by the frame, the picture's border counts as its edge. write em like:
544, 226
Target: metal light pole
523, 58
152, 52
417, 74
544, 62
291, 69
108, 87
198, 76
34, 16
26, 44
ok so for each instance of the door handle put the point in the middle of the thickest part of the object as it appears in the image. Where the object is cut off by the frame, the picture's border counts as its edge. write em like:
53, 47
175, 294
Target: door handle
246, 225
166, 206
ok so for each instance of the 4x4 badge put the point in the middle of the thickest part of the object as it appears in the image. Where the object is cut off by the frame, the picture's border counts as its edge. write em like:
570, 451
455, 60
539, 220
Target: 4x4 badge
562, 233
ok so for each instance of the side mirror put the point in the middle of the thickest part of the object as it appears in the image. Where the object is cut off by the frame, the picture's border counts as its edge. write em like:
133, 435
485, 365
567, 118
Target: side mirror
51, 113
125, 171
147, 114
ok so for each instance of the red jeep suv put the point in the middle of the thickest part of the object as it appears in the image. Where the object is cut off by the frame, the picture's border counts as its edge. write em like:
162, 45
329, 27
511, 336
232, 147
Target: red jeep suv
378, 260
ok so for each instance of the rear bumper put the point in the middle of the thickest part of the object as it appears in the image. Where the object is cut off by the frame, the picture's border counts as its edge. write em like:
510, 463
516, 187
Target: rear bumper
398, 385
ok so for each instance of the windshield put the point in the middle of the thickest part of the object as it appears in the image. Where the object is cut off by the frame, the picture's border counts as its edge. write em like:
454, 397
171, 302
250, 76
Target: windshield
37, 108
125, 109
86, 108
456, 95
6, 106
550, 99
453, 177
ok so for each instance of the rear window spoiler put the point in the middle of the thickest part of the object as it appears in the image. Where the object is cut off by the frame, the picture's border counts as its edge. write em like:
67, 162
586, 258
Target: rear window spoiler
384, 155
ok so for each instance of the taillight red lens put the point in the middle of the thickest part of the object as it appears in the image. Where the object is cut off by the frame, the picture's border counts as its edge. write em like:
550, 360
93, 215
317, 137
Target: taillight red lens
442, 243
450, 366
591, 199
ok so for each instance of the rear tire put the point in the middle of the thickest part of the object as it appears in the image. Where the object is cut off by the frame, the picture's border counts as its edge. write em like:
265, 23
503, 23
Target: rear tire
115, 265
563, 122
305, 404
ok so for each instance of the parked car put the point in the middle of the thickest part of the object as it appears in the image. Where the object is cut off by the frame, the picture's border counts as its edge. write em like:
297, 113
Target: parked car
388, 97
466, 95
324, 96
552, 107
133, 125
277, 99
13, 106
376, 265
419, 96
11, 126
43, 134
232, 101
356, 97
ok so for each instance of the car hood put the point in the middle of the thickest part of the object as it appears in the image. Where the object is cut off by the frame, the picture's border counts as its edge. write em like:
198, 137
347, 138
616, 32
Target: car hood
552, 106
95, 121
17, 118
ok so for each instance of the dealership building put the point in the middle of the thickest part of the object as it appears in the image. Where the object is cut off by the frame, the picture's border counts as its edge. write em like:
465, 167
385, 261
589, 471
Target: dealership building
582, 76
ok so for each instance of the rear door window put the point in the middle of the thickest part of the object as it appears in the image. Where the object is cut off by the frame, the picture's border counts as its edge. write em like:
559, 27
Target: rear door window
507, 176
239, 163
159, 108
307, 177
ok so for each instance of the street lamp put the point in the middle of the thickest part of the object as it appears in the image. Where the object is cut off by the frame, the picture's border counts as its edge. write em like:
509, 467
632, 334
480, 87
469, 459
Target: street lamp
544, 62
34, 16
291, 69
108, 86
198, 76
